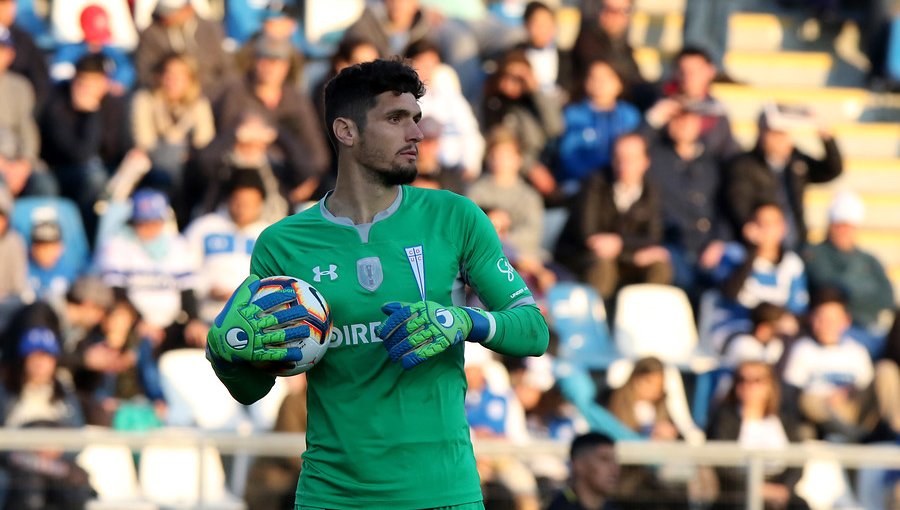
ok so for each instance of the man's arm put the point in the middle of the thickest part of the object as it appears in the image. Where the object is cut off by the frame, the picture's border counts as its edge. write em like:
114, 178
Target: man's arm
516, 325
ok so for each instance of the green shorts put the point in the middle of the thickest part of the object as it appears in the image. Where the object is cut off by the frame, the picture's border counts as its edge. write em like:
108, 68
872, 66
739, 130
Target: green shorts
465, 506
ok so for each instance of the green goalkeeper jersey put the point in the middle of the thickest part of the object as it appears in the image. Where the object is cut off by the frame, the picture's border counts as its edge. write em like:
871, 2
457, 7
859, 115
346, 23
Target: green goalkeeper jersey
379, 436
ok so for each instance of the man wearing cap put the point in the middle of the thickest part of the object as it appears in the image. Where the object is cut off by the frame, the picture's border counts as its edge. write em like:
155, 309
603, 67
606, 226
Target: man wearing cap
267, 90
839, 262
154, 269
50, 272
775, 171
176, 28
97, 35
223, 240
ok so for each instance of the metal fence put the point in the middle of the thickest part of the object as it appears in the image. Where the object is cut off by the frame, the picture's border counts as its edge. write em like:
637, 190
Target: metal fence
711, 453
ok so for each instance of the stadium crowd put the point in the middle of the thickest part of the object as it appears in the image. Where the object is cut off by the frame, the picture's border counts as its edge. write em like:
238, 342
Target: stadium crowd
144, 145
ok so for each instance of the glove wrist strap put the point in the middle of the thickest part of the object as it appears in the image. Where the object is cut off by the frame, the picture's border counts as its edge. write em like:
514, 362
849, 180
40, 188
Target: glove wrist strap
483, 326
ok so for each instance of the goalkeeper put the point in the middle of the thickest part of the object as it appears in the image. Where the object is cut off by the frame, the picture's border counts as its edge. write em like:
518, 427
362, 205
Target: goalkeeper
386, 422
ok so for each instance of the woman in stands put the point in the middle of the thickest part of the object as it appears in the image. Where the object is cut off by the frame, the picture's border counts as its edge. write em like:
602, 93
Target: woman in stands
33, 396
750, 414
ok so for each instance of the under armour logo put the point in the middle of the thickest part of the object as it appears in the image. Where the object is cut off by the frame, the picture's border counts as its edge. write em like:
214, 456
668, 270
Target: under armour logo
318, 273
504, 267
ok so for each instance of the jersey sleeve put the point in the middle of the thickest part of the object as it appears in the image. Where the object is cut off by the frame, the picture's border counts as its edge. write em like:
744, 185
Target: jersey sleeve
518, 329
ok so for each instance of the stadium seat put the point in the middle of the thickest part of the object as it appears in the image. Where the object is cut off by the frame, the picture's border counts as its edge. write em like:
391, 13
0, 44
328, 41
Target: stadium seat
754, 31
195, 395
833, 104
824, 485
578, 317
779, 68
114, 477
29, 210
170, 477
327, 20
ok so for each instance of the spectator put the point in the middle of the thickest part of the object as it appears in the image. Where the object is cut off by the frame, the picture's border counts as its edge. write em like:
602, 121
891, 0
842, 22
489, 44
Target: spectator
176, 28
244, 19
888, 365
223, 241
513, 99
349, 52
86, 304
50, 272
838, 389
764, 342
461, 143
20, 167
267, 92
691, 83
83, 139
29, 60
775, 171
553, 66
593, 125
595, 475
750, 415
115, 373
153, 269
504, 188
170, 122
14, 270
247, 147
688, 177
33, 395
640, 405
393, 25
95, 27
432, 173
760, 270
604, 35
839, 262
614, 234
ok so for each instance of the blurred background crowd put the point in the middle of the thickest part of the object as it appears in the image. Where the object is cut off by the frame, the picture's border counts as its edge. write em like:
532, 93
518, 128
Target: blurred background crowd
684, 185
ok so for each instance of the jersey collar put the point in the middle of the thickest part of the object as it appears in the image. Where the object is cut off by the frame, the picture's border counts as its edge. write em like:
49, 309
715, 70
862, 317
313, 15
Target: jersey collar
362, 228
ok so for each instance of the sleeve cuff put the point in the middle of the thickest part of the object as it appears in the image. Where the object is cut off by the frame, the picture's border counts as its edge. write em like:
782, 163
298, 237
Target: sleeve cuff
483, 326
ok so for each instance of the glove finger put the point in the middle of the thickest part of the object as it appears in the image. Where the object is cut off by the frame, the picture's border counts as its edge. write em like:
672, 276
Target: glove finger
392, 325
279, 336
279, 354
411, 359
238, 299
392, 306
275, 299
410, 343
290, 314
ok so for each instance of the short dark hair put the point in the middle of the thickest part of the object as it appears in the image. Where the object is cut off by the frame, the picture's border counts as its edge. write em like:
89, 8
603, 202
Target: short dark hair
353, 91
245, 178
533, 7
421, 46
766, 313
586, 442
825, 295
92, 63
694, 51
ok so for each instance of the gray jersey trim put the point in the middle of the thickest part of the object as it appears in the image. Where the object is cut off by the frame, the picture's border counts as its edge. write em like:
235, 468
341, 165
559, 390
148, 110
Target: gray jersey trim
363, 228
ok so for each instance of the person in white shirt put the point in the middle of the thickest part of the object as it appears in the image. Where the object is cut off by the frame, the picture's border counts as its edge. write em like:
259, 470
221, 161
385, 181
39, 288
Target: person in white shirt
222, 241
763, 343
834, 374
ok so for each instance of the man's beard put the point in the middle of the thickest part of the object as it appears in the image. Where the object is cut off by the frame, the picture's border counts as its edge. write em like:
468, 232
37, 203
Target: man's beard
396, 175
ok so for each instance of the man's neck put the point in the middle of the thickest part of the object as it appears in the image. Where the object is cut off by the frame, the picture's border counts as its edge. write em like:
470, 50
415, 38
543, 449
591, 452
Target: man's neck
358, 197
686, 150
589, 499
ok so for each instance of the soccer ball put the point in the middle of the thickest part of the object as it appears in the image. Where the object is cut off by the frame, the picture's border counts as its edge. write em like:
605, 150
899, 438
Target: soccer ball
318, 319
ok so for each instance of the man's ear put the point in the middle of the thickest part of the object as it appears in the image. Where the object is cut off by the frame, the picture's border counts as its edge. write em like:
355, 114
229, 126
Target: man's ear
345, 131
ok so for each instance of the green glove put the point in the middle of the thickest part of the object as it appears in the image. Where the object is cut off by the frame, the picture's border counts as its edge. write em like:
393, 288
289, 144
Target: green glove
244, 332
415, 332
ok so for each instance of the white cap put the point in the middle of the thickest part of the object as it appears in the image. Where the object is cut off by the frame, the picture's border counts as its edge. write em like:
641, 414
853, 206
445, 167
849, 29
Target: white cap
165, 7
846, 207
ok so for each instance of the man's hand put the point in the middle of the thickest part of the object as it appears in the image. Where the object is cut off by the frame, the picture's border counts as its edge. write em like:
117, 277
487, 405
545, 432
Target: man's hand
415, 332
605, 245
243, 331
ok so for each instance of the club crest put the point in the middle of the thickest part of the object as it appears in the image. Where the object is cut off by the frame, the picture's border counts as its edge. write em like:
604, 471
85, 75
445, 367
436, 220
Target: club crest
369, 273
